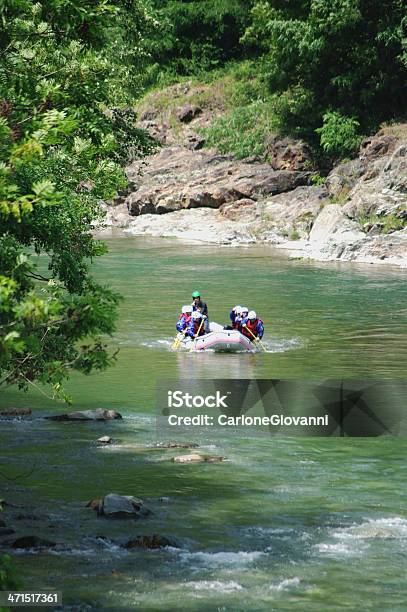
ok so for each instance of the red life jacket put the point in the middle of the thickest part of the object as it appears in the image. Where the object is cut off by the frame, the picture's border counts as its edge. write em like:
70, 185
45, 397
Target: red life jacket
252, 325
187, 317
236, 323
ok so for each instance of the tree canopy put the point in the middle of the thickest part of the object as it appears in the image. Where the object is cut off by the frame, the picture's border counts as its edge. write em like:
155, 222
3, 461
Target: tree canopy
68, 70
333, 64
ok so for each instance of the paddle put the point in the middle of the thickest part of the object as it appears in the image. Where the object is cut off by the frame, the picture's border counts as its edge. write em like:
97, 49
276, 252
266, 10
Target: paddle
196, 336
256, 338
177, 340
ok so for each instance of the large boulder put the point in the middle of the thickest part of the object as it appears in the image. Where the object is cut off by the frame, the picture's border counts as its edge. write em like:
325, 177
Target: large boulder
288, 154
333, 233
100, 414
382, 191
176, 178
344, 177
119, 506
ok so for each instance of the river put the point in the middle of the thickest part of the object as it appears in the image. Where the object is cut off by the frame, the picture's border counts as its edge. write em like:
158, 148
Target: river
286, 523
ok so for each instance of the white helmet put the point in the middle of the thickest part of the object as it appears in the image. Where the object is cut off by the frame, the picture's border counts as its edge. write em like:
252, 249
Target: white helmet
187, 308
237, 309
244, 309
252, 315
196, 314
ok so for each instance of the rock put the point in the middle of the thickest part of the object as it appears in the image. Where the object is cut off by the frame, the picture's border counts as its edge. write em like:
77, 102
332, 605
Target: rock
148, 115
333, 227
5, 531
186, 113
2, 523
100, 414
27, 517
177, 445
195, 142
200, 224
32, 541
95, 504
233, 210
195, 458
15, 412
377, 146
344, 177
150, 541
385, 192
288, 154
176, 178
105, 440
119, 506
87, 185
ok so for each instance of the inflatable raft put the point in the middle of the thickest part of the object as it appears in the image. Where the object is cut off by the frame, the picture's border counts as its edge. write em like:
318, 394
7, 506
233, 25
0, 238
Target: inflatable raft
225, 341
221, 341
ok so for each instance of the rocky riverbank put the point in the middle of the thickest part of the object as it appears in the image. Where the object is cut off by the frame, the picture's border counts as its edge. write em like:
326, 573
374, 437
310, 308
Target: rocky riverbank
357, 213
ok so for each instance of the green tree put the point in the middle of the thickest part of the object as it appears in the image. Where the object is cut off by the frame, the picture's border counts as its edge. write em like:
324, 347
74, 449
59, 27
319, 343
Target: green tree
68, 71
333, 56
199, 35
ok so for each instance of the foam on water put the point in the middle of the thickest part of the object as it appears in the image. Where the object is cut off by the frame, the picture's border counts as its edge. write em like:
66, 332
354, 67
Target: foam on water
218, 586
221, 559
383, 528
285, 585
357, 538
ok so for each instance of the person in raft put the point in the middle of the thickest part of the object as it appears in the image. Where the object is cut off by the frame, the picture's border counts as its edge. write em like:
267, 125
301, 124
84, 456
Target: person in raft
184, 318
235, 318
196, 326
252, 327
200, 306
244, 312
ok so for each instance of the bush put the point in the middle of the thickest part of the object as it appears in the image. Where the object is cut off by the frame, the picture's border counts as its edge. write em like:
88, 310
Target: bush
339, 134
8, 578
242, 132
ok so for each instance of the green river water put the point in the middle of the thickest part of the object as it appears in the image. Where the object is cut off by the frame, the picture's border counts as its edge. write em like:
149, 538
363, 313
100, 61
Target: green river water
288, 523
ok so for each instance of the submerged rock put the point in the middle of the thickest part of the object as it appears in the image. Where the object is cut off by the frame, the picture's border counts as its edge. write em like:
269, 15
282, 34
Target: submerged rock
15, 412
150, 541
119, 506
32, 541
99, 414
170, 445
195, 458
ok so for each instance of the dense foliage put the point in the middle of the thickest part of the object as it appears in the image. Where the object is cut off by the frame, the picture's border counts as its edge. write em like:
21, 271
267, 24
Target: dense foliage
337, 65
68, 70
198, 35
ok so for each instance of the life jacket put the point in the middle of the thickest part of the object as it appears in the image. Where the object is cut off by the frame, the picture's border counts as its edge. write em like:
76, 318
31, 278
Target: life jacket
237, 322
184, 320
194, 326
255, 326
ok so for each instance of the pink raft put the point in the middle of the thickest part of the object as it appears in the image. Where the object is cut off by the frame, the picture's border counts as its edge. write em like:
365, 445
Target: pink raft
225, 341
